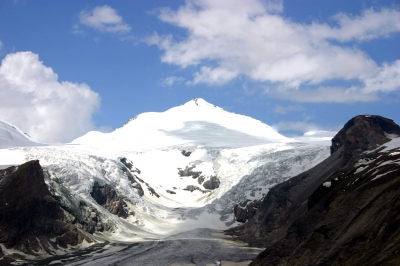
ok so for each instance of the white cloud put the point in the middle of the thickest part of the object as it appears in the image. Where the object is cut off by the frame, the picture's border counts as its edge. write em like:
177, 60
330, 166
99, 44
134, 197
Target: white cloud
386, 79
213, 76
32, 98
369, 25
1, 45
169, 81
286, 109
105, 19
227, 39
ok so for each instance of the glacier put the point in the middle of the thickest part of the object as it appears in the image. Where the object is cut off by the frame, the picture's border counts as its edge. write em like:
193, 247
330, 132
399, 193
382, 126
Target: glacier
160, 163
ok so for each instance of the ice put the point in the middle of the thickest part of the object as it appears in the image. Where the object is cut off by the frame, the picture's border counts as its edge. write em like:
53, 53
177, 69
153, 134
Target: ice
247, 156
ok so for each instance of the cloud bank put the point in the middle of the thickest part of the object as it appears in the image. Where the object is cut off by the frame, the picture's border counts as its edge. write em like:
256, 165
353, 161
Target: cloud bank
228, 39
32, 98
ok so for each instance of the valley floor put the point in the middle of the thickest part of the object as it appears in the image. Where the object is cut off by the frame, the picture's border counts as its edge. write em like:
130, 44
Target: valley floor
196, 247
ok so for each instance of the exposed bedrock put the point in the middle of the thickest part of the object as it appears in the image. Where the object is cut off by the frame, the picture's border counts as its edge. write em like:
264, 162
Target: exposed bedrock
362, 133
132, 179
245, 210
129, 170
186, 153
188, 172
192, 188
212, 183
107, 197
31, 219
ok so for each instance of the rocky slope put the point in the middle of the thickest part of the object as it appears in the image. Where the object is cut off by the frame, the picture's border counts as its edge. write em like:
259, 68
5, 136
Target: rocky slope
32, 222
343, 211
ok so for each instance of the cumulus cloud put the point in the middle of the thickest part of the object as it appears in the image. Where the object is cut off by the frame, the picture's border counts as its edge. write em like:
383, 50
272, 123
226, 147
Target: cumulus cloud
105, 19
231, 38
32, 98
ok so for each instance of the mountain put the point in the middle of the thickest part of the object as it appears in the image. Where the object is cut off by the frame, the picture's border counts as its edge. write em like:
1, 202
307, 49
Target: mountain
11, 136
165, 173
343, 211
197, 122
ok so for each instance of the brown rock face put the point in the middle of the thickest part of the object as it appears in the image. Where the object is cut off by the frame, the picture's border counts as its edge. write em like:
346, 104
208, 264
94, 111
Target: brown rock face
30, 218
337, 213
107, 197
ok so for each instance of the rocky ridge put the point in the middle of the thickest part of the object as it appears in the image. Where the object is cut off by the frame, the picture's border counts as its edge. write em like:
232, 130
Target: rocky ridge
344, 211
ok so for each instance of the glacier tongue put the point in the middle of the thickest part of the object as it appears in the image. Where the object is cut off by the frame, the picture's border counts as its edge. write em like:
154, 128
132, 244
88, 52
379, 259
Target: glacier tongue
182, 169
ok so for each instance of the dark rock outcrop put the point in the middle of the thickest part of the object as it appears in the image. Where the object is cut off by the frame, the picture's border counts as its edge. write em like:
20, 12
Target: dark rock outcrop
245, 210
129, 165
212, 183
31, 220
129, 170
152, 191
200, 180
188, 172
343, 211
133, 181
107, 197
186, 153
192, 188
363, 133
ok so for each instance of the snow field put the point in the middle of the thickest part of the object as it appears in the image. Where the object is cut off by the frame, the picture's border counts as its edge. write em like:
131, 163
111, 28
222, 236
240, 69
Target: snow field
247, 157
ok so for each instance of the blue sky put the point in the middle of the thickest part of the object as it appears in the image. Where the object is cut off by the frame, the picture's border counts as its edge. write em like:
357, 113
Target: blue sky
73, 66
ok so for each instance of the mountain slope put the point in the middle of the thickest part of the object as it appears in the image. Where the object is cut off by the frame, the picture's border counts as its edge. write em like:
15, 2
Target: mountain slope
341, 212
11, 136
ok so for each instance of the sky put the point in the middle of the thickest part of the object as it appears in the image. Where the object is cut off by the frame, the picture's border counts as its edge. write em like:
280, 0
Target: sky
69, 67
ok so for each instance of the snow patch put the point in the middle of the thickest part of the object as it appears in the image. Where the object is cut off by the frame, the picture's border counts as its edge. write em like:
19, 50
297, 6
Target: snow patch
327, 184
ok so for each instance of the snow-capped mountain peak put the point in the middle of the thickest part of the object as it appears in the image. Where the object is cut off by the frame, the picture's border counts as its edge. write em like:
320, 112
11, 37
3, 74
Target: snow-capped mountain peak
196, 122
200, 102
